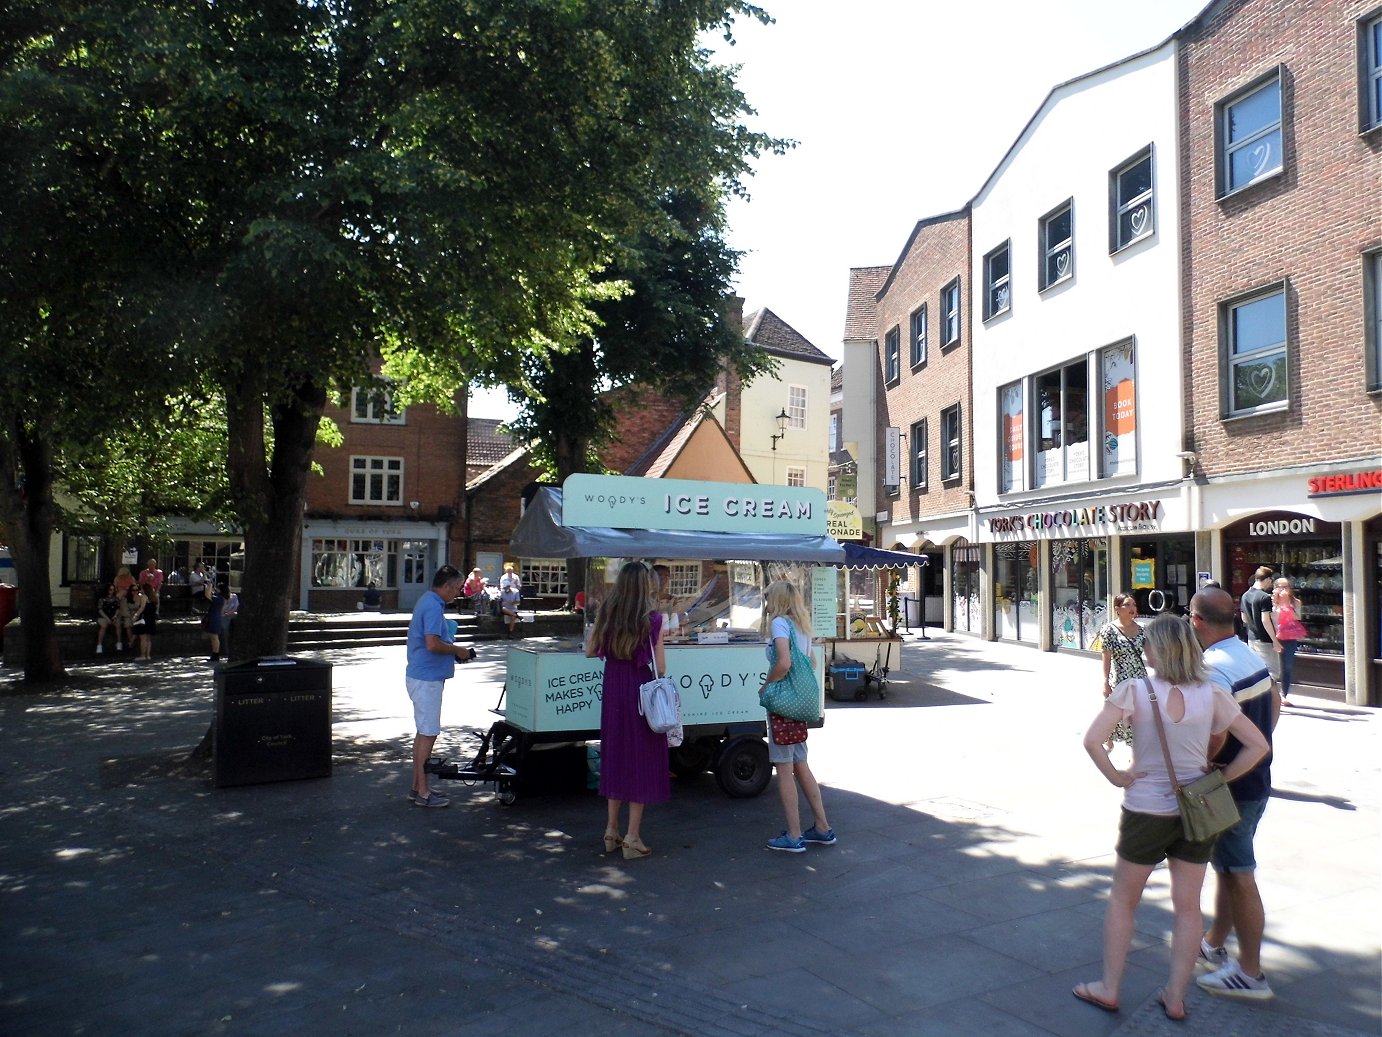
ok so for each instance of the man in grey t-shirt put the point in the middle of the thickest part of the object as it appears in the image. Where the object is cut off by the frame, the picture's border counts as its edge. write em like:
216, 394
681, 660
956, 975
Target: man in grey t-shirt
1256, 607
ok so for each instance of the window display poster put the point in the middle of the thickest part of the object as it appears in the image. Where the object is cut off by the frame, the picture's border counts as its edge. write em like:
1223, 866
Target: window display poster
1120, 410
1013, 469
823, 593
1143, 573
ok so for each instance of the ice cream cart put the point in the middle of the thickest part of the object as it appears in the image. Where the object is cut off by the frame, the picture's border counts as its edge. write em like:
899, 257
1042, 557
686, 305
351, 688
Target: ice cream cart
719, 544
861, 659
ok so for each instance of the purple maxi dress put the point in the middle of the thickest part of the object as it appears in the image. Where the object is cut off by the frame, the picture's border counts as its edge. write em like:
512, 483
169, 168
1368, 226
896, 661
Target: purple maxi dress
633, 757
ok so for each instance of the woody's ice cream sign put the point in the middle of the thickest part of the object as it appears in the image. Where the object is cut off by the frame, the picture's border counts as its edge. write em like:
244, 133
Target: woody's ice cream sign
1103, 518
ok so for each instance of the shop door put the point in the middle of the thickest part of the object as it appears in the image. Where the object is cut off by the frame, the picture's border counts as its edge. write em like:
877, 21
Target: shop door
1017, 602
1160, 573
1079, 592
965, 584
415, 576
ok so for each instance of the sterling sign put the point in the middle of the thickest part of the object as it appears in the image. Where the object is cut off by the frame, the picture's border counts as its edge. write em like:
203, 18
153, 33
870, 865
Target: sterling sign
1140, 515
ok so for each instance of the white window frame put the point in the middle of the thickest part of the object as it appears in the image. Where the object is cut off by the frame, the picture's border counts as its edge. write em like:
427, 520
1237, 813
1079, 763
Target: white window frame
1226, 149
1069, 466
374, 406
1052, 248
950, 314
1370, 72
832, 486
1129, 206
342, 563
920, 344
998, 269
952, 444
796, 406
381, 469
921, 454
544, 577
892, 355
796, 475
1015, 473
1372, 318
1230, 362
835, 418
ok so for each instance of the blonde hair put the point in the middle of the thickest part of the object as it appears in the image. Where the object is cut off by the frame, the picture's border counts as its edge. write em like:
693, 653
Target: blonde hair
1176, 653
783, 599
624, 622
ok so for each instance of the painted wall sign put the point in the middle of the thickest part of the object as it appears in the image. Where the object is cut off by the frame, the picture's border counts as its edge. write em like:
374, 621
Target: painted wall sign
1345, 483
631, 502
1124, 517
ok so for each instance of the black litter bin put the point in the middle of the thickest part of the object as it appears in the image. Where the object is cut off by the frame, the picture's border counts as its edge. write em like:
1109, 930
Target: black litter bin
273, 721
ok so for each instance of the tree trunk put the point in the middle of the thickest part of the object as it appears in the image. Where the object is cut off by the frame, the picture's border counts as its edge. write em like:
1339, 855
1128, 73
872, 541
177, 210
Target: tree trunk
26, 512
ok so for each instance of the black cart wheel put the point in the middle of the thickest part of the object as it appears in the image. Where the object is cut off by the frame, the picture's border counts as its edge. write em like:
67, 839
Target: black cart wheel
506, 793
691, 759
742, 769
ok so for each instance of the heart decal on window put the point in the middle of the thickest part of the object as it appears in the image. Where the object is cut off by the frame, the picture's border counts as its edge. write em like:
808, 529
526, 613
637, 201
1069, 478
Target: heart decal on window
1138, 219
1261, 380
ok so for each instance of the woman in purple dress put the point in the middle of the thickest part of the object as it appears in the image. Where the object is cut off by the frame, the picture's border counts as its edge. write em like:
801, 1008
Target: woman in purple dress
633, 757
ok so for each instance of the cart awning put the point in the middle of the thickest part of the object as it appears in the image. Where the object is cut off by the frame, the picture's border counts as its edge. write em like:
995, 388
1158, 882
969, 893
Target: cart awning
540, 534
857, 556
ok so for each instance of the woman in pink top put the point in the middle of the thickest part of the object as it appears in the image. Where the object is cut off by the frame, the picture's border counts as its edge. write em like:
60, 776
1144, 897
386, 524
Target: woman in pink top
1150, 831
1289, 630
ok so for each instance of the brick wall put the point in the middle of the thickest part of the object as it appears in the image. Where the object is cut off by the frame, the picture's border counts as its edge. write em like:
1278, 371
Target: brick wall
1307, 226
937, 253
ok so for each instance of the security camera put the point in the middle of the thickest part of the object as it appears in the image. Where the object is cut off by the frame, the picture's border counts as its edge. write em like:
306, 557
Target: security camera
414, 504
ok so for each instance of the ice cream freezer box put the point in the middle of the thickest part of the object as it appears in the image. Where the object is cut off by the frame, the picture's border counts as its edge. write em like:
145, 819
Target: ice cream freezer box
553, 694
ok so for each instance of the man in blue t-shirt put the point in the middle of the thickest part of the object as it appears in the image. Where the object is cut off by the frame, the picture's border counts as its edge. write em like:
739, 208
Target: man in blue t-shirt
1237, 902
432, 656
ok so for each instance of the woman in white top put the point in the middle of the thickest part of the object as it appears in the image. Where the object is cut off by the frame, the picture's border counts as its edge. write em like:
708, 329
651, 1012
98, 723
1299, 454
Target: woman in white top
1149, 830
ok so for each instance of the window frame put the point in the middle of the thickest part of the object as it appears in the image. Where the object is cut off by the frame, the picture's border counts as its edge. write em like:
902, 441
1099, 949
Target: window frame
391, 465
797, 402
1372, 318
892, 355
1016, 468
380, 557
1228, 362
1044, 280
952, 442
836, 431
1040, 477
372, 414
919, 456
1117, 208
794, 472
996, 284
1224, 150
951, 290
1370, 72
920, 339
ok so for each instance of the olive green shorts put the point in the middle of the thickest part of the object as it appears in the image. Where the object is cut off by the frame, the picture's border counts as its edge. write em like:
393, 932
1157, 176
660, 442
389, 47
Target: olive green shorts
1150, 838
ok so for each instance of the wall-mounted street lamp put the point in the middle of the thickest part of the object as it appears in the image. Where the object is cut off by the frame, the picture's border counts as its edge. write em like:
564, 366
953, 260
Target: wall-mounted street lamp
782, 419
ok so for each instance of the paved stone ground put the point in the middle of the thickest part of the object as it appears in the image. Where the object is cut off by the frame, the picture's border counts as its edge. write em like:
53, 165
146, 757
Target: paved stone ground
965, 895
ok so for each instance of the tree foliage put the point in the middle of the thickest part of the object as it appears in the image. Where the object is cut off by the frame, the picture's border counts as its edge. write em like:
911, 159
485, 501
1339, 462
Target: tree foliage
268, 197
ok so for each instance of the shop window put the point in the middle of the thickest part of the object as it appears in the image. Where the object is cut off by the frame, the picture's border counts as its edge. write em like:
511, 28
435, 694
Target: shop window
225, 558
1132, 208
1012, 475
1253, 331
81, 559
950, 314
1016, 600
376, 480
966, 581
344, 562
1249, 136
374, 405
919, 339
997, 281
1062, 424
892, 360
1079, 592
1118, 368
1057, 245
1309, 553
546, 577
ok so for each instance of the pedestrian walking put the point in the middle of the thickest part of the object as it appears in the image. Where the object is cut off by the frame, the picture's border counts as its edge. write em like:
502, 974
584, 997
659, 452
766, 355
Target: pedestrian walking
431, 663
1238, 907
787, 619
1149, 828
1290, 631
627, 635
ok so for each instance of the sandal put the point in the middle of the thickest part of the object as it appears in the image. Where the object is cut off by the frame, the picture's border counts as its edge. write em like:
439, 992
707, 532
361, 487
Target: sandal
612, 842
635, 850
1083, 992
1184, 1012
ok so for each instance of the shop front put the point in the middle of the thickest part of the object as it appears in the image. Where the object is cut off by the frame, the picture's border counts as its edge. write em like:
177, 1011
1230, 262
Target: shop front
966, 587
342, 558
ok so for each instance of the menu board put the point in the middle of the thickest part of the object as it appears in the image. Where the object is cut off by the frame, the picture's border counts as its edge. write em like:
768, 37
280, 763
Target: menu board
824, 584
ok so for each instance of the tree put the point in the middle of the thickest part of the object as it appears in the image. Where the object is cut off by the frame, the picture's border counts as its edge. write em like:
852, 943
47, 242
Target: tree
287, 191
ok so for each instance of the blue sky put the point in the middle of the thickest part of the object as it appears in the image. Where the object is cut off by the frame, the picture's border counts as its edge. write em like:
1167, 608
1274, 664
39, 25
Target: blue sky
901, 108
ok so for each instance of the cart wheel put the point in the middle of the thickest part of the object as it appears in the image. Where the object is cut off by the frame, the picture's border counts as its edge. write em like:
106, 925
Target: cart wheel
742, 769
689, 760
506, 793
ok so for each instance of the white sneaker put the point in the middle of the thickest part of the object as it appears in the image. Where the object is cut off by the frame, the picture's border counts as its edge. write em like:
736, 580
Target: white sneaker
100, 649
1211, 959
1232, 981
119, 646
